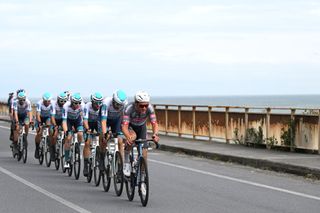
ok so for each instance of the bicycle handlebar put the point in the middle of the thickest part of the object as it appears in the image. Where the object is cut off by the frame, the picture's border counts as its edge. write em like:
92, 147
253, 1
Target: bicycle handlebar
139, 141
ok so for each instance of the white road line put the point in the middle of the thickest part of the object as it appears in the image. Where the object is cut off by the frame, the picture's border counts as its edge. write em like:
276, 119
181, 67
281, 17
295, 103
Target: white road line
237, 180
45, 192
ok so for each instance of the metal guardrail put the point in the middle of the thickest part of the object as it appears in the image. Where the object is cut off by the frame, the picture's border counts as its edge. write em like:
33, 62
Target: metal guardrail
292, 128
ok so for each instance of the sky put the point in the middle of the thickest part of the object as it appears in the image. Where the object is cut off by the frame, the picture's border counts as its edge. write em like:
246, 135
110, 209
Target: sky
165, 47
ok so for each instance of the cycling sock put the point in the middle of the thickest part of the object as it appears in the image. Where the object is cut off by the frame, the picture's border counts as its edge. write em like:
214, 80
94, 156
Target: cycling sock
66, 154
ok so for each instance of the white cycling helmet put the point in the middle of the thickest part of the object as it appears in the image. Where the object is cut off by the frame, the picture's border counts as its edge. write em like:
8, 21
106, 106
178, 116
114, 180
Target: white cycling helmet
142, 96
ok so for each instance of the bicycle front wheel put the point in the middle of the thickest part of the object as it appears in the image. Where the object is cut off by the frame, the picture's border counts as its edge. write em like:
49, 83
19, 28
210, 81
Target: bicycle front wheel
106, 174
77, 161
40, 154
96, 171
25, 149
47, 154
118, 174
143, 182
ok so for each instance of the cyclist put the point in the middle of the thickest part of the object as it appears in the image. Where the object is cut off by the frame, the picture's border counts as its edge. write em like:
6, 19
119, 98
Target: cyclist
72, 120
22, 114
56, 119
134, 118
91, 122
112, 109
11, 99
43, 116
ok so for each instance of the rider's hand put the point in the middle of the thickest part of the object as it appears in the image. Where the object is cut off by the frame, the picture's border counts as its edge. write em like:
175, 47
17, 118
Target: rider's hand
130, 139
155, 137
17, 125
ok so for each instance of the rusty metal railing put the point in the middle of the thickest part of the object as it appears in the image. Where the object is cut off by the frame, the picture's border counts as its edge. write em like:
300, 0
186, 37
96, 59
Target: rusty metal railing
292, 128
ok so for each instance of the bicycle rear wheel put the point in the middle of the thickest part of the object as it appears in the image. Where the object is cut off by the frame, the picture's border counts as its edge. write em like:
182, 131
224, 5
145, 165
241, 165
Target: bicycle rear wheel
130, 182
118, 174
77, 161
143, 182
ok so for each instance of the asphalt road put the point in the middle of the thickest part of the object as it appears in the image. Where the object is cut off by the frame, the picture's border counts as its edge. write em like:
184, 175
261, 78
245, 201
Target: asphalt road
178, 183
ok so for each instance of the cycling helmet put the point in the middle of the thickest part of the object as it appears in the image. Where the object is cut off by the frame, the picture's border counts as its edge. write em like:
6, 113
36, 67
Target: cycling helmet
142, 96
119, 97
47, 96
96, 97
20, 90
68, 93
76, 97
62, 97
21, 96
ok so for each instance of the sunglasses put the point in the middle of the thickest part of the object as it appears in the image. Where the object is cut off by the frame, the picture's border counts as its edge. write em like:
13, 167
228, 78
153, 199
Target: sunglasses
143, 106
76, 103
62, 102
22, 100
98, 103
117, 105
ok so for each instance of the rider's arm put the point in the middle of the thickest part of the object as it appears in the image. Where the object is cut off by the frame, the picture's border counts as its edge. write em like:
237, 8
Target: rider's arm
154, 123
64, 118
38, 112
104, 115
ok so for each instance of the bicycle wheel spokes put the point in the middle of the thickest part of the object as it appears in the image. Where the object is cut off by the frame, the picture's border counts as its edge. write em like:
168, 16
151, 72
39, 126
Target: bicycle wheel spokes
118, 174
77, 161
143, 182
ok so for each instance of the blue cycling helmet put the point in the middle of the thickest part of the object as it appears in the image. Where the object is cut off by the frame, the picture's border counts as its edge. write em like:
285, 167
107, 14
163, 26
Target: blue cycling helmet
47, 96
21, 96
76, 97
62, 97
20, 90
120, 97
96, 97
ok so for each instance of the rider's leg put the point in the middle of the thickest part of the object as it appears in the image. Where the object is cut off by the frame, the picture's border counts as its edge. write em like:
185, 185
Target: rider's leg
37, 141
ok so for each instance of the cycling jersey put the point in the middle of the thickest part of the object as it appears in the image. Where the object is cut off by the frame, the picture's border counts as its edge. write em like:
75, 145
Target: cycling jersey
133, 117
22, 109
108, 110
56, 111
45, 111
70, 113
90, 114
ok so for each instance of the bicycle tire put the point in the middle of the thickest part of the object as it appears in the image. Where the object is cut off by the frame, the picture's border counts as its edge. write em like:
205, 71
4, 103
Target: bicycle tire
96, 171
41, 155
144, 180
89, 176
47, 156
106, 174
57, 160
77, 161
130, 183
62, 157
118, 174
25, 149
70, 169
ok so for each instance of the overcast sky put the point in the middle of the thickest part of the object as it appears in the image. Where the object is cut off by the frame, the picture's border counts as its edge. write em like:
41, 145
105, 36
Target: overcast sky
166, 47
